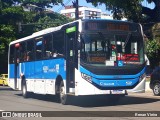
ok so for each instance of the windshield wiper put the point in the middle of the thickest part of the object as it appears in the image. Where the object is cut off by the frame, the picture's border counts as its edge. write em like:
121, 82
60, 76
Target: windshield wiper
127, 39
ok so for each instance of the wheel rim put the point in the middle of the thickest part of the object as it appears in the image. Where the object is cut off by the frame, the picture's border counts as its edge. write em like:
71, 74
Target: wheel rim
62, 93
156, 89
3, 83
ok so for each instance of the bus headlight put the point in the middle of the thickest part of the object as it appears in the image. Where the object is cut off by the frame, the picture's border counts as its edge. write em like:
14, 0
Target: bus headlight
142, 77
87, 77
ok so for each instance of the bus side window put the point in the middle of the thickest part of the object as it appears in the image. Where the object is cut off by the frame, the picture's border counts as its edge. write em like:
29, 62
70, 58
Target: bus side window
30, 50
39, 53
58, 43
22, 52
47, 46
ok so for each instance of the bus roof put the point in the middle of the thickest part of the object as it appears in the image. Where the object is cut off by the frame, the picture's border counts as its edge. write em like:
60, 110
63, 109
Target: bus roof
52, 29
42, 32
108, 20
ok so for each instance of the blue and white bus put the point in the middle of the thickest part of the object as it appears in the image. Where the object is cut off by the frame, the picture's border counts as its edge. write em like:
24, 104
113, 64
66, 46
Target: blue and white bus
84, 57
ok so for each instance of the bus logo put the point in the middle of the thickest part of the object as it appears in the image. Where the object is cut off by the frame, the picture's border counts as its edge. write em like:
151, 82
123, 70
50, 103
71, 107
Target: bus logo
45, 69
106, 84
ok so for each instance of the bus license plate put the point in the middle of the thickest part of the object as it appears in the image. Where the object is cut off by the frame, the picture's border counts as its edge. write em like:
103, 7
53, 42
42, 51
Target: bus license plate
117, 91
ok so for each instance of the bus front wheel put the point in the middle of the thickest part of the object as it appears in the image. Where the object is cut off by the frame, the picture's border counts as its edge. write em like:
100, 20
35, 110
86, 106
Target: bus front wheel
63, 96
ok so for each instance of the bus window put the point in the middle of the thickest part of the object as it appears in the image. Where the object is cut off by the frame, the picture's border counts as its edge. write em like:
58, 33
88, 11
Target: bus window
129, 50
30, 50
39, 53
22, 52
58, 43
47, 46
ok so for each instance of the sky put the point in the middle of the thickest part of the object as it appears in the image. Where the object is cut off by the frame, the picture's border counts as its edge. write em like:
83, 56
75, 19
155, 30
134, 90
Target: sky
59, 7
81, 3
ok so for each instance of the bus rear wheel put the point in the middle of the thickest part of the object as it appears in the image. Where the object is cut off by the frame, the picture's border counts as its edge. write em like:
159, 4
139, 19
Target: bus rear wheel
62, 94
24, 89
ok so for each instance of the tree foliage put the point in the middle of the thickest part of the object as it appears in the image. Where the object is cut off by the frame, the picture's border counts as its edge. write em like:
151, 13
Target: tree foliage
153, 52
12, 13
132, 9
152, 48
41, 3
8, 34
50, 20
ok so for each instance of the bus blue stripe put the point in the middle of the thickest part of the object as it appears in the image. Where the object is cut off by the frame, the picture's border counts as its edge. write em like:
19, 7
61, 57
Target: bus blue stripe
45, 69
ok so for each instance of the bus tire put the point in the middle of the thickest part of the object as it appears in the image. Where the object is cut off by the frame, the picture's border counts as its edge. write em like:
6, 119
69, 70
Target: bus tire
62, 95
24, 89
156, 89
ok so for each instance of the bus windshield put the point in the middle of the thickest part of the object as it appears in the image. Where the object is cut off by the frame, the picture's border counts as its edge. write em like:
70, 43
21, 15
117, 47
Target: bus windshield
108, 49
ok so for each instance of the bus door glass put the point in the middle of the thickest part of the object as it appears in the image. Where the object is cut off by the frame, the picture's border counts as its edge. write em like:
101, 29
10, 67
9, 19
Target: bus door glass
71, 56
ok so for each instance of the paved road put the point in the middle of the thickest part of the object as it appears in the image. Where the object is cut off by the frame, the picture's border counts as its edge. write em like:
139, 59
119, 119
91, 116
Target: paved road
11, 100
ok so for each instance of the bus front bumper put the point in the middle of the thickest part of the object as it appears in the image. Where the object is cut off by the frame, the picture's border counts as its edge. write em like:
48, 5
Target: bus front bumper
140, 88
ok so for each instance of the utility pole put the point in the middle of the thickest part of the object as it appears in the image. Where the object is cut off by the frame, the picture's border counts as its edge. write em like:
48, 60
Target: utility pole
76, 6
77, 10
19, 27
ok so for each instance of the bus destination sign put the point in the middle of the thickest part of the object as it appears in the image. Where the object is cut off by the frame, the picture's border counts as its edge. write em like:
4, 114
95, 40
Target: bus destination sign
110, 26
123, 27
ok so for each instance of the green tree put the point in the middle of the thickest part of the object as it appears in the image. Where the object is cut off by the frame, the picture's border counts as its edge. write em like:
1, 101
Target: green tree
7, 3
7, 35
9, 16
12, 13
153, 52
50, 20
40, 3
131, 9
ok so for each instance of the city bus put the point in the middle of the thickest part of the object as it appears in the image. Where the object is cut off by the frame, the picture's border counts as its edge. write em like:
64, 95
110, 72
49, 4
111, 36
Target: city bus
80, 58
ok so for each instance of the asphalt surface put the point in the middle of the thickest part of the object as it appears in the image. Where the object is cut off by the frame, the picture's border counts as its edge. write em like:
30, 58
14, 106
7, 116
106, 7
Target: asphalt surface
133, 106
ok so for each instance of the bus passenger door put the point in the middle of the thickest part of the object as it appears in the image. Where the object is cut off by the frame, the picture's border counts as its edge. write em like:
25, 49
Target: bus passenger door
71, 58
16, 64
